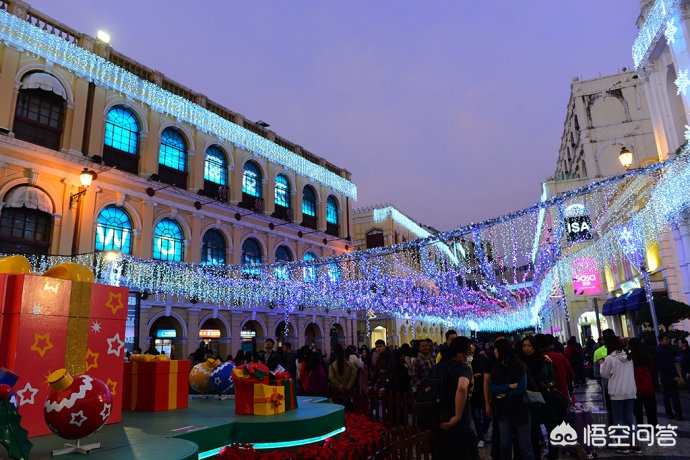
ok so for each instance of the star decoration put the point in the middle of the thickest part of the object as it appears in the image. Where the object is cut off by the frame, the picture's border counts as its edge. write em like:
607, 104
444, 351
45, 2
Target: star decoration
47, 345
217, 381
670, 32
22, 394
77, 418
115, 341
52, 284
36, 309
112, 385
682, 82
96, 327
105, 413
91, 363
114, 302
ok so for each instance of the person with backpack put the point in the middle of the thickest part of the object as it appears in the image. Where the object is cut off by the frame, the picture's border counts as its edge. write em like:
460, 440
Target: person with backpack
445, 393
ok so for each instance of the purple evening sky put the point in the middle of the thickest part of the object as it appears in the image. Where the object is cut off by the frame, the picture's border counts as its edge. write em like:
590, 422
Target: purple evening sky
450, 110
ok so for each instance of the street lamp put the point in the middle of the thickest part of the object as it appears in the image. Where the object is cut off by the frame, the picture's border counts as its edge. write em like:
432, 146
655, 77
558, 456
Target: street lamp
85, 178
625, 157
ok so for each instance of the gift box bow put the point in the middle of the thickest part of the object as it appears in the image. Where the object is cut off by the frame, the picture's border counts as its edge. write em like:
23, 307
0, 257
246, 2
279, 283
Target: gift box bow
275, 399
256, 370
281, 375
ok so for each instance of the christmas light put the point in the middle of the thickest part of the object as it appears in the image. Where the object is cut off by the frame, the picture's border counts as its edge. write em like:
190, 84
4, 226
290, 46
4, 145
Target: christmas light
650, 33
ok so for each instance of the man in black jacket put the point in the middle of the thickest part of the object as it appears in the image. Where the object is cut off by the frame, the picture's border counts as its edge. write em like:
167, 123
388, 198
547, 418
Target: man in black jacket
666, 367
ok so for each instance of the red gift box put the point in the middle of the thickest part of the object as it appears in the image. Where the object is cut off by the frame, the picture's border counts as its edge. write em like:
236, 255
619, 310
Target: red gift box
50, 323
290, 391
244, 382
156, 386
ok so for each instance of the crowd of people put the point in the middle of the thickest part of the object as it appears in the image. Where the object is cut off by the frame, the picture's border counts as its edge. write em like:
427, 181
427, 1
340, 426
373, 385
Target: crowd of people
486, 398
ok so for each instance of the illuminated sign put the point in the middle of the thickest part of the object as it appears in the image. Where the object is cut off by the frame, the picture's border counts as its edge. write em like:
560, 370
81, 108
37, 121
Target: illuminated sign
209, 334
578, 225
166, 333
586, 283
247, 334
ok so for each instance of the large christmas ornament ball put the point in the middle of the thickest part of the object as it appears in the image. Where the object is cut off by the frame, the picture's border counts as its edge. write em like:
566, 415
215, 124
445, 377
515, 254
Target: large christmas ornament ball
200, 375
5, 391
221, 378
76, 406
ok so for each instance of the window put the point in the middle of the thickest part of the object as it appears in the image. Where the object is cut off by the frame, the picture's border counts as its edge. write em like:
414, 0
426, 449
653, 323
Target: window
122, 130
332, 210
309, 202
213, 248
173, 150
375, 238
251, 255
309, 271
282, 193
283, 254
114, 230
333, 272
215, 166
25, 231
251, 179
39, 114
168, 241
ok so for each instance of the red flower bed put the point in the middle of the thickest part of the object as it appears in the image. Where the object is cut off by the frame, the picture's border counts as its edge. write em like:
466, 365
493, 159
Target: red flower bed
361, 438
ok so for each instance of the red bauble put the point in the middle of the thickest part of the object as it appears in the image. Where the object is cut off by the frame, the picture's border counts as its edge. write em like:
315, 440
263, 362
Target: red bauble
76, 406
5, 391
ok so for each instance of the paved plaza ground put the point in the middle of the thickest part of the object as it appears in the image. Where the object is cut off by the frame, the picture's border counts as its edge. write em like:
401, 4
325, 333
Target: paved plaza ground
591, 396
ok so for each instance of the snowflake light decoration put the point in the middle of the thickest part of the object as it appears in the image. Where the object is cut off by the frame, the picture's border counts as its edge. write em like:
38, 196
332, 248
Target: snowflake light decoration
670, 32
682, 82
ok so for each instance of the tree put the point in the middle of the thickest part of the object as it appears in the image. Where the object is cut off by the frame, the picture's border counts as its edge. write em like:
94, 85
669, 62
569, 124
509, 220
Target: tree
668, 312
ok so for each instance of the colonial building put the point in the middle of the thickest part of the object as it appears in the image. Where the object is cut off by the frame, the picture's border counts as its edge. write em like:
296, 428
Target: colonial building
606, 117
174, 177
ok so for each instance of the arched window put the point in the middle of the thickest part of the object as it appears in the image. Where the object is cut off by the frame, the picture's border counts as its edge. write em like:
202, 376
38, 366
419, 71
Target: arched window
251, 179
282, 194
309, 207
216, 174
114, 230
213, 248
40, 110
333, 272
332, 210
216, 166
283, 254
121, 141
168, 241
172, 158
310, 270
251, 252
26, 221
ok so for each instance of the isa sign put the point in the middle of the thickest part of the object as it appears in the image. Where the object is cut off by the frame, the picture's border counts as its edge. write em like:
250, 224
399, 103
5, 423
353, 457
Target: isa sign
578, 228
586, 282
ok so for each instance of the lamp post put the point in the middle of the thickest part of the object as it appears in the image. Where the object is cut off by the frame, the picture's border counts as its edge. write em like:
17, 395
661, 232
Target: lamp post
650, 299
86, 177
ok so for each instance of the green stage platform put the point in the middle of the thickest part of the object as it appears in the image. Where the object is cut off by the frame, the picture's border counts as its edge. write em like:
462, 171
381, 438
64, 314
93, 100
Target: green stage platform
198, 431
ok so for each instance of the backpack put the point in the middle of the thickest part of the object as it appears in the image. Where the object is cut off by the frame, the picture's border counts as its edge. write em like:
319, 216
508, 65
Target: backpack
429, 398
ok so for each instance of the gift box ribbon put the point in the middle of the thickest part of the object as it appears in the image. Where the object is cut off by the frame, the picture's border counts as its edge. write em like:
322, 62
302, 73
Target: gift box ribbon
275, 399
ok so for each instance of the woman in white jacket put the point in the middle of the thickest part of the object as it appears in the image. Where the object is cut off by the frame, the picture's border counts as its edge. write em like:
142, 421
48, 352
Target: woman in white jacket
619, 369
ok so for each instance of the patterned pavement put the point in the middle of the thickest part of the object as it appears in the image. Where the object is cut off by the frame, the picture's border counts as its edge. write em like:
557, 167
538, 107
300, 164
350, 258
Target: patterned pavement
591, 397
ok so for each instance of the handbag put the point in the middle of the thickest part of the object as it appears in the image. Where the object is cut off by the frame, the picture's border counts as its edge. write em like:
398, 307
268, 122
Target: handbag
534, 398
556, 400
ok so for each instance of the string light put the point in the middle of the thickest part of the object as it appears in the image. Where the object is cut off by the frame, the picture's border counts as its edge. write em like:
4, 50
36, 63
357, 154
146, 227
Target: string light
650, 33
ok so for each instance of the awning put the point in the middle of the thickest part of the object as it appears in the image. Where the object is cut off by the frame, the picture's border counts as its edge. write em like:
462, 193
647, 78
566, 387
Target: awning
44, 81
630, 301
30, 197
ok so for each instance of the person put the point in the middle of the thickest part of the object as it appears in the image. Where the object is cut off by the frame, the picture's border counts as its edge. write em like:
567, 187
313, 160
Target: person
313, 375
598, 358
685, 362
644, 370
365, 373
489, 400
289, 360
422, 363
342, 375
152, 350
561, 366
383, 374
401, 376
540, 377
574, 354
270, 357
450, 336
200, 353
239, 358
481, 421
508, 384
666, 367
618, 368
455, 438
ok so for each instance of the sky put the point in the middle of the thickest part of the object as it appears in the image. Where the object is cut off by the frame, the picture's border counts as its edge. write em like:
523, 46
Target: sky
450, 110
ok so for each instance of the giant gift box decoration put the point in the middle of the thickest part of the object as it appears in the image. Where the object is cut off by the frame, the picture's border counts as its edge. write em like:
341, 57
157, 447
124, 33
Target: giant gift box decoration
290, 388
51, 323
156, 385
268, 399
245, 378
